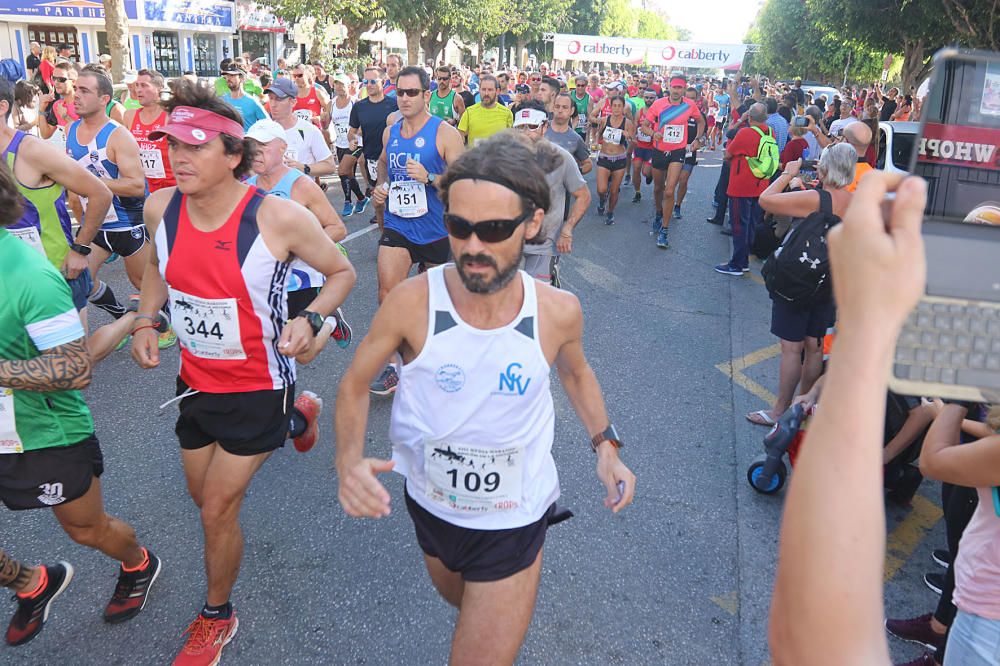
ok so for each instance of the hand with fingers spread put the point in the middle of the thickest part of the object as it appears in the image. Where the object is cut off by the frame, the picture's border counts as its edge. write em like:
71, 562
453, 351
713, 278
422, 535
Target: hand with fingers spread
361, 494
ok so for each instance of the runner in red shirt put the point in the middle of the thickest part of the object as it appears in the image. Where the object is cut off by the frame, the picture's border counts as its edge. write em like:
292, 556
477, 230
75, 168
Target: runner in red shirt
223, 251
149, 118
312, 104
667, 122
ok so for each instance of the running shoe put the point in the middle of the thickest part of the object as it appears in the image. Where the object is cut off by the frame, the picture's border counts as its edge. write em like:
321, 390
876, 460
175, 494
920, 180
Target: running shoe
677, 212
166, 339
124, 341
715, 220
727, 269
385, 383
32, 612
627, 180
347, 210
610, 219
661, 239
601, 205
657, 224
205, 639
935, 581
310, 405
132, 590
342, 331
649, 179
942, 557
113, 258
916, 630
637, 197
361, 206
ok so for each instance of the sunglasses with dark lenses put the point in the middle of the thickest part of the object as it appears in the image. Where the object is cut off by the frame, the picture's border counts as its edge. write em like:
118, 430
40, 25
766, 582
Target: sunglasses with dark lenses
299, 76
534, 80
60, 79
444, 78
409, 92
488, 231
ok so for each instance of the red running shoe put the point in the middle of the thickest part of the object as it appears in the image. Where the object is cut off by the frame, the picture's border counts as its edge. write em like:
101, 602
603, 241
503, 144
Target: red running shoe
310, 405
206, 638
132, 590
32, 612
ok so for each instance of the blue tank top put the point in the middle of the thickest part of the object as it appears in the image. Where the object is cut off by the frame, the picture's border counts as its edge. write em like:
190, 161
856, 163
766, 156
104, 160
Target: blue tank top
125, 212
302, 275
422, 147
283, 188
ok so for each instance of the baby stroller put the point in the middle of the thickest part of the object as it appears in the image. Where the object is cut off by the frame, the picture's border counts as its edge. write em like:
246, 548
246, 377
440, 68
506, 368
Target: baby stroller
767, 473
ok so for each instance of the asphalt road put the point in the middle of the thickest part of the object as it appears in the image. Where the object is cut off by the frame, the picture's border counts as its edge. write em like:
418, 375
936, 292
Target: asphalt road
681, 577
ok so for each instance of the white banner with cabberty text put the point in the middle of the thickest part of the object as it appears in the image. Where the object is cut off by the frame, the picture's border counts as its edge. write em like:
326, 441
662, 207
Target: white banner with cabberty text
654, 52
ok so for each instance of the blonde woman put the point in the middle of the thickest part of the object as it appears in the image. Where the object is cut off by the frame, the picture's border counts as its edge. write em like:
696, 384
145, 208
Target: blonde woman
46, 67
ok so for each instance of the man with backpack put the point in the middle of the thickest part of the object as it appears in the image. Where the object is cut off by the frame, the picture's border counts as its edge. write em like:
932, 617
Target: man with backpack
753, 159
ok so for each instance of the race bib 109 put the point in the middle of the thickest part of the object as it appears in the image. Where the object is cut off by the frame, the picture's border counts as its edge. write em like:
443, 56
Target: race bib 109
474, 479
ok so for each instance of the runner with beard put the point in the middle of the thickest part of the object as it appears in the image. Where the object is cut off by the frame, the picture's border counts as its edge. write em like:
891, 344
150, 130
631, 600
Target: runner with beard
481, 483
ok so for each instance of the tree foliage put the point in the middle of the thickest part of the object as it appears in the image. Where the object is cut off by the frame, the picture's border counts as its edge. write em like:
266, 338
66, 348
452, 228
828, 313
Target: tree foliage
797, 42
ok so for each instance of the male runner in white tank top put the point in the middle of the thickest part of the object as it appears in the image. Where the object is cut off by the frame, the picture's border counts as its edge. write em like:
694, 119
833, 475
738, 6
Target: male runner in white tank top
472, 420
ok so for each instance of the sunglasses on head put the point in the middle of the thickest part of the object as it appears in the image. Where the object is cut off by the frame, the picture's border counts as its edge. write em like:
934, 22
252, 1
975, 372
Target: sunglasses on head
409, 92
60, 79
488, 231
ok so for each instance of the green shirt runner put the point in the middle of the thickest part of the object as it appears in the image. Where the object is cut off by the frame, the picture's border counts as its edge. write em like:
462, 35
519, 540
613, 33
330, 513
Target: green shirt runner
582, 107
36, 314
442, 107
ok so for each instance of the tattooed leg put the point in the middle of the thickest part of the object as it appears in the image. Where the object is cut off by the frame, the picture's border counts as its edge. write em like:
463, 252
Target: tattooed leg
14, 575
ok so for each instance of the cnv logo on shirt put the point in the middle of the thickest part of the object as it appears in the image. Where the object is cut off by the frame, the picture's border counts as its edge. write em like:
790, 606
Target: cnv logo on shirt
512, 382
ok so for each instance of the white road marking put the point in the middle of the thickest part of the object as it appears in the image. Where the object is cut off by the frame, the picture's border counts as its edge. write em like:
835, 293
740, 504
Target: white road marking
360, 232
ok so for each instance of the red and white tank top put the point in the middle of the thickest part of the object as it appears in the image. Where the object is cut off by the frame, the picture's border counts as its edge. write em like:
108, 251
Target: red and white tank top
153, 154
227, 300
308, 107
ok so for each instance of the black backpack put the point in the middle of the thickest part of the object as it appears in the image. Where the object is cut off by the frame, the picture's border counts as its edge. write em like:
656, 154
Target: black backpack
798, 272
765, 237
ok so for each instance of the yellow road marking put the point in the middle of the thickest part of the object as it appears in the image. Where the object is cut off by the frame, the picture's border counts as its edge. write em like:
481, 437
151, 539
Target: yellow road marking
908, 534
734, 370
727, 602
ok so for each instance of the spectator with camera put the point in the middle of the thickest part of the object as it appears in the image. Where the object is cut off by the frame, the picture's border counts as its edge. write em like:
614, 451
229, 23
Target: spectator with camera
800, 318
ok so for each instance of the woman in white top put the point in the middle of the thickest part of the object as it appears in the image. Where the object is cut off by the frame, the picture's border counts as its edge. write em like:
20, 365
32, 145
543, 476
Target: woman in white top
340, 116
24, 115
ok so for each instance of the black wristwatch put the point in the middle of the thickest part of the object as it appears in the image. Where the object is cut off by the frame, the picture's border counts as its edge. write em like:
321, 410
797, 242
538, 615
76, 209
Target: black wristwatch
608, 434
306, 170
431, 177
80, 249
315, 321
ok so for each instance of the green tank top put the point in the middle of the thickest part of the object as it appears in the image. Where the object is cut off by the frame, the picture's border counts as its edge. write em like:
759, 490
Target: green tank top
582, 106
442, 107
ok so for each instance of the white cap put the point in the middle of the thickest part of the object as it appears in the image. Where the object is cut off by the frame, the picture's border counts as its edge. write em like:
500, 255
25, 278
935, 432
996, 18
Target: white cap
104, 57
530, 117
266, 131
130, 76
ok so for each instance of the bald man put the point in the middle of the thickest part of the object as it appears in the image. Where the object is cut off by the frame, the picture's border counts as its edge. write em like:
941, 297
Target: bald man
859, 135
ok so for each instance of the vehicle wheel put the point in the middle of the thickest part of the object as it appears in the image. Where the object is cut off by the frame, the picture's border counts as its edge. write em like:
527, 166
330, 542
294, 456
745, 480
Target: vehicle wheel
755, 477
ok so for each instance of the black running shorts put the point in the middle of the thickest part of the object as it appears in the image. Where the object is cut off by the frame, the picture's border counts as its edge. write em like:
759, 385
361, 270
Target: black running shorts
481, 556
244, 424
432, 254
662, 160
125, 242
300, 300
48, 477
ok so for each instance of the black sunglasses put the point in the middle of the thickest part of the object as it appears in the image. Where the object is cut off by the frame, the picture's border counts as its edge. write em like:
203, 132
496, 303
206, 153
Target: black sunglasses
409, 92
60, 79
488, 231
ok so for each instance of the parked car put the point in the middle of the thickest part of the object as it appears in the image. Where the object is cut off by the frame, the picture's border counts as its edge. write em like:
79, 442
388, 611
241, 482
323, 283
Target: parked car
895, 145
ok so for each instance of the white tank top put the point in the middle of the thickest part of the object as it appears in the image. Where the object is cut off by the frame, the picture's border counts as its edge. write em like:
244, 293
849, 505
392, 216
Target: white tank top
340, 120
472, 419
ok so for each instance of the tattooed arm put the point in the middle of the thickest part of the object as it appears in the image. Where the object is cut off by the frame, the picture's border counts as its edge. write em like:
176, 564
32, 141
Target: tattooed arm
60, 368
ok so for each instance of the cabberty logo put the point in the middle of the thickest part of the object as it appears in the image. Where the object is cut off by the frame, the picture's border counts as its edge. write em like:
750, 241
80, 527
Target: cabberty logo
598, 48
512, 382
670, 52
